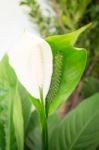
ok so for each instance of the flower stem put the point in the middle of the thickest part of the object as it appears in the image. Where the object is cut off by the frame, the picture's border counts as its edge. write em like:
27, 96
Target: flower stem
43, 120
45, 136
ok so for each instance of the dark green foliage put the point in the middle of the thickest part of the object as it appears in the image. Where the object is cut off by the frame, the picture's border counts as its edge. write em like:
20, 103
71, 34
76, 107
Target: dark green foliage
90, 38
91, 86
2, 137
97, 148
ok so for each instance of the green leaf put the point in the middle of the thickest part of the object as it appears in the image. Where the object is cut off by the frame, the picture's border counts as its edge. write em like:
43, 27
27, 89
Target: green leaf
8, 87
68, 65
80, 128
67, 39
33, 134
26, 105
18, 121
53, 121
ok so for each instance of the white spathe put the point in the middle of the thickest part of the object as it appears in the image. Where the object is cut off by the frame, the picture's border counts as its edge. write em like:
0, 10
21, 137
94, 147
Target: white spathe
32, 61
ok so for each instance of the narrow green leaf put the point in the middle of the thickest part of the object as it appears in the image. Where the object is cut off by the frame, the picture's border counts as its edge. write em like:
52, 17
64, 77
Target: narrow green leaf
8, 86
18, 121
26, 105
10, 121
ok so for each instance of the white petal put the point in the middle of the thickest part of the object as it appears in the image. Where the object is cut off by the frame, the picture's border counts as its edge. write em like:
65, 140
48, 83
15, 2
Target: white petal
32, 61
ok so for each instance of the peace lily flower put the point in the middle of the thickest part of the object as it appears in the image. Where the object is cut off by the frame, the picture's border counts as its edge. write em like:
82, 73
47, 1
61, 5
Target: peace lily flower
33, 62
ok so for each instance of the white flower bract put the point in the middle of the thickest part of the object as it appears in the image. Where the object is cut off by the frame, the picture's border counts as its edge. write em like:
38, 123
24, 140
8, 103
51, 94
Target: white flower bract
32, 61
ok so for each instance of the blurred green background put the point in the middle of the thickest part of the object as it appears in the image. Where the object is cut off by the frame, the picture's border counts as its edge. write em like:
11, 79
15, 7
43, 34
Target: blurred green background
64, 16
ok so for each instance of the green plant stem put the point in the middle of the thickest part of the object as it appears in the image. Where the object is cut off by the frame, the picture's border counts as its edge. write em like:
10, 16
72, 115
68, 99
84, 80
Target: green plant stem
43, 120
45, 136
